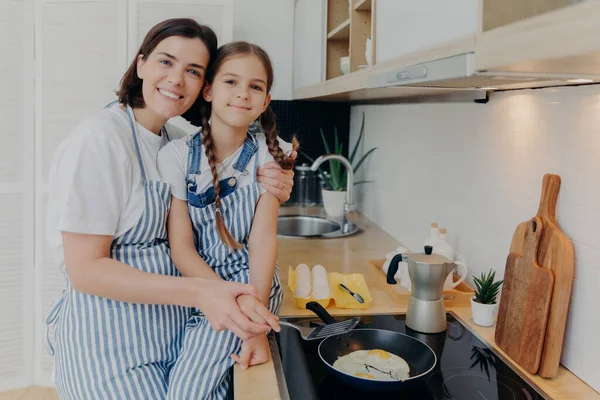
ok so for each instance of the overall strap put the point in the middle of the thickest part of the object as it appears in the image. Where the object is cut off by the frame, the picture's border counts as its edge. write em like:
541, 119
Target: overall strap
137, 146
194, 156
250, 148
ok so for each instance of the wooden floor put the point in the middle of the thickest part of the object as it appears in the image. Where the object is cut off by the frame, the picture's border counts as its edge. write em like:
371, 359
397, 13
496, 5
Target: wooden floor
30, 393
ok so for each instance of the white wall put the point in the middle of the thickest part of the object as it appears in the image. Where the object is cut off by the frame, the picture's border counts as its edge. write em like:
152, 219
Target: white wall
270, 24
477, 170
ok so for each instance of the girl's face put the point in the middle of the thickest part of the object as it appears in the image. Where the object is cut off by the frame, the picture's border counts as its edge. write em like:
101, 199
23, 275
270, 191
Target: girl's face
239, 91
173, 75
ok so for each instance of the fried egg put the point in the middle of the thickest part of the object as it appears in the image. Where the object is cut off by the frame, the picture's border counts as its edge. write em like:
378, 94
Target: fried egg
373, 364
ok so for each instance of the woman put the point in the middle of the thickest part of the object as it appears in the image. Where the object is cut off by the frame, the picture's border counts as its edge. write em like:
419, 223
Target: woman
119, 323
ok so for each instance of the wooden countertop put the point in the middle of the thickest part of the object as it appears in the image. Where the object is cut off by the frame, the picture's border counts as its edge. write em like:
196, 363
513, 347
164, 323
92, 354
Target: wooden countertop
351, 254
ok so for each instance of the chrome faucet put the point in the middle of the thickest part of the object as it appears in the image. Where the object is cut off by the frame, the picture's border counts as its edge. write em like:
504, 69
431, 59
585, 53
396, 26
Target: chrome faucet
349, 203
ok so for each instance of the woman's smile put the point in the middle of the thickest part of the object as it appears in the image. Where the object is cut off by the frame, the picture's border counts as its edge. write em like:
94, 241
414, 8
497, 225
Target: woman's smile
170, 94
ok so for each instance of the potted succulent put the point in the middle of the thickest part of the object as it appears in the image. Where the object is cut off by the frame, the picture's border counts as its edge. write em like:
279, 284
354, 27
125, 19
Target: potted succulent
483, 304
334, 180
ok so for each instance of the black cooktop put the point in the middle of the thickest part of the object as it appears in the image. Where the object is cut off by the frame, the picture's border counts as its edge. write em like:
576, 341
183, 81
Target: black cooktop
466, 368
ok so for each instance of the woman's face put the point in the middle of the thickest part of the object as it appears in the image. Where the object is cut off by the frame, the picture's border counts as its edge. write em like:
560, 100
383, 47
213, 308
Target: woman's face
173, 75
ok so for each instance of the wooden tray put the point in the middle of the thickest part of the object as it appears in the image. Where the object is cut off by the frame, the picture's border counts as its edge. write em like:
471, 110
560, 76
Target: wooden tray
460, 296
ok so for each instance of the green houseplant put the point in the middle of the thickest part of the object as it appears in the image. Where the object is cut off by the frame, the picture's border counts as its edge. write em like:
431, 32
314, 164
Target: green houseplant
483, 304
334, 179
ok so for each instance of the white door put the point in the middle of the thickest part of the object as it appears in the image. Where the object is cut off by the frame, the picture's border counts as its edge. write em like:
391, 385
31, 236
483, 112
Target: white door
83, 47
16, 195
80, 57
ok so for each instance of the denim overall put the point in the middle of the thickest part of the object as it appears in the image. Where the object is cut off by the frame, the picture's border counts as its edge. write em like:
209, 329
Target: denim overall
203, 368
107, 349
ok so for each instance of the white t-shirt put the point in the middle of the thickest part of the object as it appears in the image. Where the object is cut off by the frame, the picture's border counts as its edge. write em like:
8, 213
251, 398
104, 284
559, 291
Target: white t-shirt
95, 181
173, 158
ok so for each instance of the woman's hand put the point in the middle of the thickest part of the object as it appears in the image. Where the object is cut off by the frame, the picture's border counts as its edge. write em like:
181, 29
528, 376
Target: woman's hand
276, 180
256, 311
254, 352
218, 302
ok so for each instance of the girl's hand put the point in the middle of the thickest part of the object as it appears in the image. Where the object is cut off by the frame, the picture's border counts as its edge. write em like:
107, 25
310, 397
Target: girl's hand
255, 351
276, 180
217, 300
256, 311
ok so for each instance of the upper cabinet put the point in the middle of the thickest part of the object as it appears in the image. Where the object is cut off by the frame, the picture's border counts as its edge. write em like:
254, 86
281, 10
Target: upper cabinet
540, 37
309, 43
457, 49
407, 26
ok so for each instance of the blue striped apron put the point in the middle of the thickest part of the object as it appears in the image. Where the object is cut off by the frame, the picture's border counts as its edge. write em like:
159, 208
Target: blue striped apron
107, 349
203, 370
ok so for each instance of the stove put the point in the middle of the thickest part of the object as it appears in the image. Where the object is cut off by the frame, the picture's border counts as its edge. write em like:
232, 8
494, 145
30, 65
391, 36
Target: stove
466, 369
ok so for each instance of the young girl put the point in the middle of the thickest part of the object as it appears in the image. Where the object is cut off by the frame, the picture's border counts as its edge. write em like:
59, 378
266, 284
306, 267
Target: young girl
222, 225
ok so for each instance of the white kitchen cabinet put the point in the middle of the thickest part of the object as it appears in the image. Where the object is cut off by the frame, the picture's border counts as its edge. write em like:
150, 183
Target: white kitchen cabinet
404, 26
16, 195
541, 37
309, 42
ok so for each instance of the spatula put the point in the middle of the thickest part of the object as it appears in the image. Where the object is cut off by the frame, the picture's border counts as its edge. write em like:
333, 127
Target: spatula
331, 327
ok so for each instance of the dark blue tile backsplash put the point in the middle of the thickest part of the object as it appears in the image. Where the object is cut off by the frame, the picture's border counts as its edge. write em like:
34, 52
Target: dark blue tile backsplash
305, 119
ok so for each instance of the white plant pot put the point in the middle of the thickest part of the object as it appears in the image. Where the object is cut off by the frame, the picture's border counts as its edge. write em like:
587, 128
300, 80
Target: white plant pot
333, 202
483, 314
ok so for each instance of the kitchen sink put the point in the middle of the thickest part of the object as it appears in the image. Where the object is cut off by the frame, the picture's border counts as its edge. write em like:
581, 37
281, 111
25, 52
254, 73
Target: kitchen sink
304, 226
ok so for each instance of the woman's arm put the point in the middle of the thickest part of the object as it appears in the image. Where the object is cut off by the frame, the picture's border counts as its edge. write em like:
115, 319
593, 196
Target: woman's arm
262, 245
276, 180
181, 239
92, 271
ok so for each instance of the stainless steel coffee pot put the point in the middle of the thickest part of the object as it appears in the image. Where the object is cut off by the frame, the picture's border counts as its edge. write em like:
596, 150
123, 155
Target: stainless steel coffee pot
426, 312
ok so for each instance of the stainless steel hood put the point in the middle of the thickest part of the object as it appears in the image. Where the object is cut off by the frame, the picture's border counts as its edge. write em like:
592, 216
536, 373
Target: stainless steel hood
458, 72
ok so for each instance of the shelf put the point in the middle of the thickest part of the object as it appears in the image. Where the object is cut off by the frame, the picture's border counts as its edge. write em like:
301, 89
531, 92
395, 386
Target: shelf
342, 31
363, 5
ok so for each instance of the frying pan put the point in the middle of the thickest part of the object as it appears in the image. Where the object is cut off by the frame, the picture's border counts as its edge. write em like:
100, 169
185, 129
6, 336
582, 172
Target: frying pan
420, 357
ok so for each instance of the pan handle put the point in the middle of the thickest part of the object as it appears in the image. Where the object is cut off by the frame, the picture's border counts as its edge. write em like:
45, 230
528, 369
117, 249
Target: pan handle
320, 311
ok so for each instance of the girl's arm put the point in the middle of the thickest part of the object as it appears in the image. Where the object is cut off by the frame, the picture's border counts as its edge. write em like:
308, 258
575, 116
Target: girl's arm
190, 263
262, 245
181, 239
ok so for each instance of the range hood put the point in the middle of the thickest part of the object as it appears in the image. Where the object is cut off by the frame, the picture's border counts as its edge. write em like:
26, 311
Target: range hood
459, 72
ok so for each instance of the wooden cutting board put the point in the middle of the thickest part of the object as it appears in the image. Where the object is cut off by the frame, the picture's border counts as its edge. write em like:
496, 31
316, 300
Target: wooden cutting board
525, 302
556, 253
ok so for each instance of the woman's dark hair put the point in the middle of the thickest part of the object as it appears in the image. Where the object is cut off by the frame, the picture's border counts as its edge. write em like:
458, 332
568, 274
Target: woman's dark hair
267, 122
130, 91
